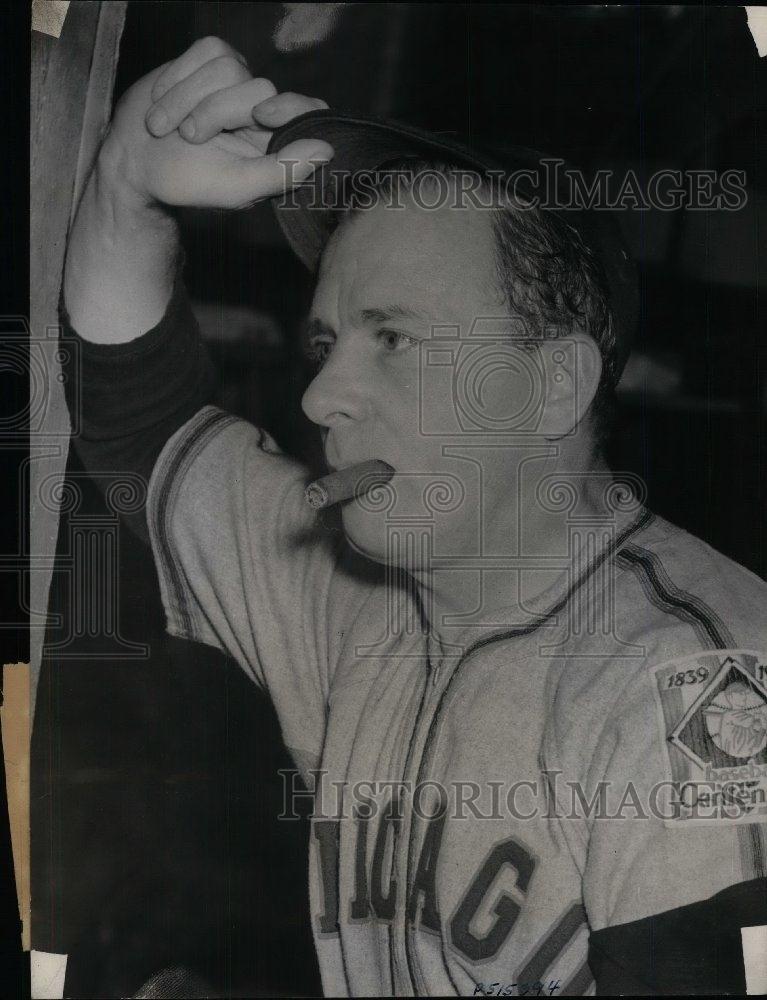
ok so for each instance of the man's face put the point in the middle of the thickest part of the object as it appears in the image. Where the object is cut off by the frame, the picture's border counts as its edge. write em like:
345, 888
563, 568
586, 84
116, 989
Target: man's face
388, 278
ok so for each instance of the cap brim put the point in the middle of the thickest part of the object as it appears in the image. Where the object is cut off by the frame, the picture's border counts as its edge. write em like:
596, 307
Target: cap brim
360, 145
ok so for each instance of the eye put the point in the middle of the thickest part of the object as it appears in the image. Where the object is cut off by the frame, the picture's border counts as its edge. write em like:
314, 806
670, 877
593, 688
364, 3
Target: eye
394, 341
318, 349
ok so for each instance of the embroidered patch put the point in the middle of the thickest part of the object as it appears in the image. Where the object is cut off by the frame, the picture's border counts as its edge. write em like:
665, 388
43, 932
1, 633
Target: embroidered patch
713, 715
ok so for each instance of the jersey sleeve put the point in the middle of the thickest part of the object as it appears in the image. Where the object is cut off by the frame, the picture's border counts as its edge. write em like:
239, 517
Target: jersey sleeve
243, 563
246, 566
666, 827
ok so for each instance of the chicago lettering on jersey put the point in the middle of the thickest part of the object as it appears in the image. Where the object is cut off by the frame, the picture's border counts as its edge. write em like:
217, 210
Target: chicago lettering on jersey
376, 887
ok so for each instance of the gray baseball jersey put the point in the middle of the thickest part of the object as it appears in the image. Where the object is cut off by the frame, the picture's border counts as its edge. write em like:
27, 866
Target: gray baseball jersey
510, 808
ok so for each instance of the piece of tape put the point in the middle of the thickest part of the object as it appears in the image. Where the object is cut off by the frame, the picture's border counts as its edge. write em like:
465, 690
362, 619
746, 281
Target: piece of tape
47, 974
755, 959
15, 724
757, 24
48, 16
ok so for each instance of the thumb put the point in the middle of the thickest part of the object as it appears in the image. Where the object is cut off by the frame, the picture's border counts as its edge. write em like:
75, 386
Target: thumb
253, 180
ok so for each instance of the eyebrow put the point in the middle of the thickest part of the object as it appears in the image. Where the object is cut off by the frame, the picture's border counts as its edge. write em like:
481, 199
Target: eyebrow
391, 312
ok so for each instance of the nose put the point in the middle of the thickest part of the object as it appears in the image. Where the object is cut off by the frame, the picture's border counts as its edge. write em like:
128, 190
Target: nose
336, 395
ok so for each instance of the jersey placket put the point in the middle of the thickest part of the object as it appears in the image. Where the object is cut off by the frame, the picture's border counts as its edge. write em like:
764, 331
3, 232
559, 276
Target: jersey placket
440, 673
434, 681
435, 702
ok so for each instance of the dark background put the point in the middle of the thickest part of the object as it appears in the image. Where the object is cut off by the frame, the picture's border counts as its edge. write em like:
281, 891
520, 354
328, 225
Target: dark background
155, 786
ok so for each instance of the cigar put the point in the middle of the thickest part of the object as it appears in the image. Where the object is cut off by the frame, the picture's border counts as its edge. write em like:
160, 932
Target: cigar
347, 483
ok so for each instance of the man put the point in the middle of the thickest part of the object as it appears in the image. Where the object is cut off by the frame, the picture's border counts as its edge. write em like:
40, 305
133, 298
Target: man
506, 728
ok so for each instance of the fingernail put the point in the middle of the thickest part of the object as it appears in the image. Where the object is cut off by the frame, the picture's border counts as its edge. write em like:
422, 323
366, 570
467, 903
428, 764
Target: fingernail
265, 108
188, 128
157, 121
320, 154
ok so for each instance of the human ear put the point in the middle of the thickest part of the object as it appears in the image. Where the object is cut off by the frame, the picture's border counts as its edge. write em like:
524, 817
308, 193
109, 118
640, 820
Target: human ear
572, 367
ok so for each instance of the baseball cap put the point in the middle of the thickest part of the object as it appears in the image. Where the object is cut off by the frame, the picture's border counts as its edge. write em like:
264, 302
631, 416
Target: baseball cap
364, 144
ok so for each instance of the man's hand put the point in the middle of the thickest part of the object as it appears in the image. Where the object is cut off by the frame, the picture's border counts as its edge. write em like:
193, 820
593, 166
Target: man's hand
193, 132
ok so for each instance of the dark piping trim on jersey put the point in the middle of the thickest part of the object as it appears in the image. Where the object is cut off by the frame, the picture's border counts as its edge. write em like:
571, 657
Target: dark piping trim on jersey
642, 520
201, 429
660, 591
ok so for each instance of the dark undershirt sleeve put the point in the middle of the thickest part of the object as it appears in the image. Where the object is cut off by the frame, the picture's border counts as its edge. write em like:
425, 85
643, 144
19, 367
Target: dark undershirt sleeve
126, 400
691, 951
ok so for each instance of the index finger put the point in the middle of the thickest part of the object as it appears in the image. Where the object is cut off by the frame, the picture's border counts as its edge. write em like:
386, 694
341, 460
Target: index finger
198, 53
